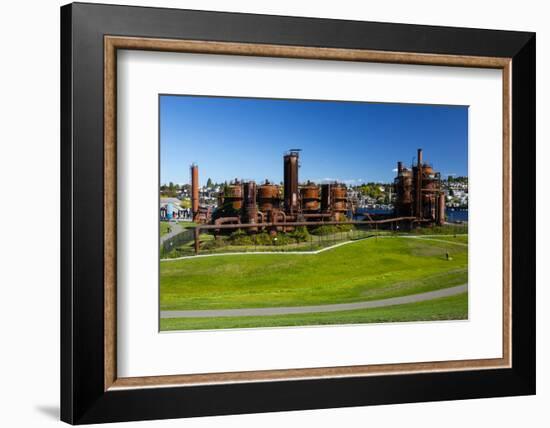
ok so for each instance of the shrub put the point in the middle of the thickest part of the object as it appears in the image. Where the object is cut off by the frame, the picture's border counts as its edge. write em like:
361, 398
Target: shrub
325, 230
440, 230
346, 227
213, 244
332, 229
263, 239
300, 234
240, 237
283, 239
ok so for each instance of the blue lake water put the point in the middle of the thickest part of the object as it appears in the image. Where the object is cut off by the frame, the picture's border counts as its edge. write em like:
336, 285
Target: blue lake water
457, 215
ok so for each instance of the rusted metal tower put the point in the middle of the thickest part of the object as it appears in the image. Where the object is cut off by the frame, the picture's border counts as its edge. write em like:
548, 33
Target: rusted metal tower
419, 192
291, 165
418, 184
250, 207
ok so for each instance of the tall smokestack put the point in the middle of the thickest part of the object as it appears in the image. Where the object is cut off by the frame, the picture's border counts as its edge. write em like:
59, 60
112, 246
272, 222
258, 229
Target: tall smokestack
419, 157
419, 184
194, 190
399, 188
291, 181
250, 208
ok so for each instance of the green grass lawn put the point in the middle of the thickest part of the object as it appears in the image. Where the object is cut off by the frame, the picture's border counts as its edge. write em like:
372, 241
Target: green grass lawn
363, 270
459, 239
441, 230
445, 308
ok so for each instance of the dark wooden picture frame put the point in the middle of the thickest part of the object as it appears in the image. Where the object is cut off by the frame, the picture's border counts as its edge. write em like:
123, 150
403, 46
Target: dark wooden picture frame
90, 37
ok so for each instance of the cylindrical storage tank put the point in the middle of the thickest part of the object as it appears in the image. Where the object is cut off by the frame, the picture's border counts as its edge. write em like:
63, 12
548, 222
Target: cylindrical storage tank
249, 199
405, 196
325, 197
429, 193
268, 197
233, 195
338, 200
429, 186
428, 171
403, 187
407, 187
311, 200
291, 182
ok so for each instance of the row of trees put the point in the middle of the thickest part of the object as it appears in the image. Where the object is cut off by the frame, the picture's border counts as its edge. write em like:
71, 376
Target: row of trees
459, 179
173, 187
378, 191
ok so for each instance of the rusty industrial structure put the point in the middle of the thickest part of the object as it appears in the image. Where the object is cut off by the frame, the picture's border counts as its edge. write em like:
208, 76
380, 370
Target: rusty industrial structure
419, 199
272, 207
291, 166
419, 193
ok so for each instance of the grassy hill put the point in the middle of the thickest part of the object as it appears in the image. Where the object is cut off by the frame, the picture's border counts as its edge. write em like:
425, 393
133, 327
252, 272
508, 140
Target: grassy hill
370, 269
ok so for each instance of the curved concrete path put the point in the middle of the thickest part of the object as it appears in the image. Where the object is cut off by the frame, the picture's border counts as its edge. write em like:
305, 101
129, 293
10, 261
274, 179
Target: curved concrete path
248, 312
305, 253
175, 229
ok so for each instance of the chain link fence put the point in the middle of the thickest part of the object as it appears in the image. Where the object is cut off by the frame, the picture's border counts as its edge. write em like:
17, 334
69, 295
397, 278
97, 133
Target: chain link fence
170, 247
299, 240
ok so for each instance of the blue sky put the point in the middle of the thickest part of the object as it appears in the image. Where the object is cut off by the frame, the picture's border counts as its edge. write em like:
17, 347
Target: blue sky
346, 141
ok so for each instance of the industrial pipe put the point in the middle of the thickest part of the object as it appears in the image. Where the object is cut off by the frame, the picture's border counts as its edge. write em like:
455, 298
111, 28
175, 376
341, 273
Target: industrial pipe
262, 216
317, 215
303, 223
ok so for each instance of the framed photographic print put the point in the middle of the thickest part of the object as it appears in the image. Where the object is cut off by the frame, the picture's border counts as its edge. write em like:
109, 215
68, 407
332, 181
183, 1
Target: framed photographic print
318, 242
264, 213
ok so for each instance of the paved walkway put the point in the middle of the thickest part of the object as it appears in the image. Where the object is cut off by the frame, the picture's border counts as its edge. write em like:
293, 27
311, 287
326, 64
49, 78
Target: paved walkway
451, 291
247, 253
175, 228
